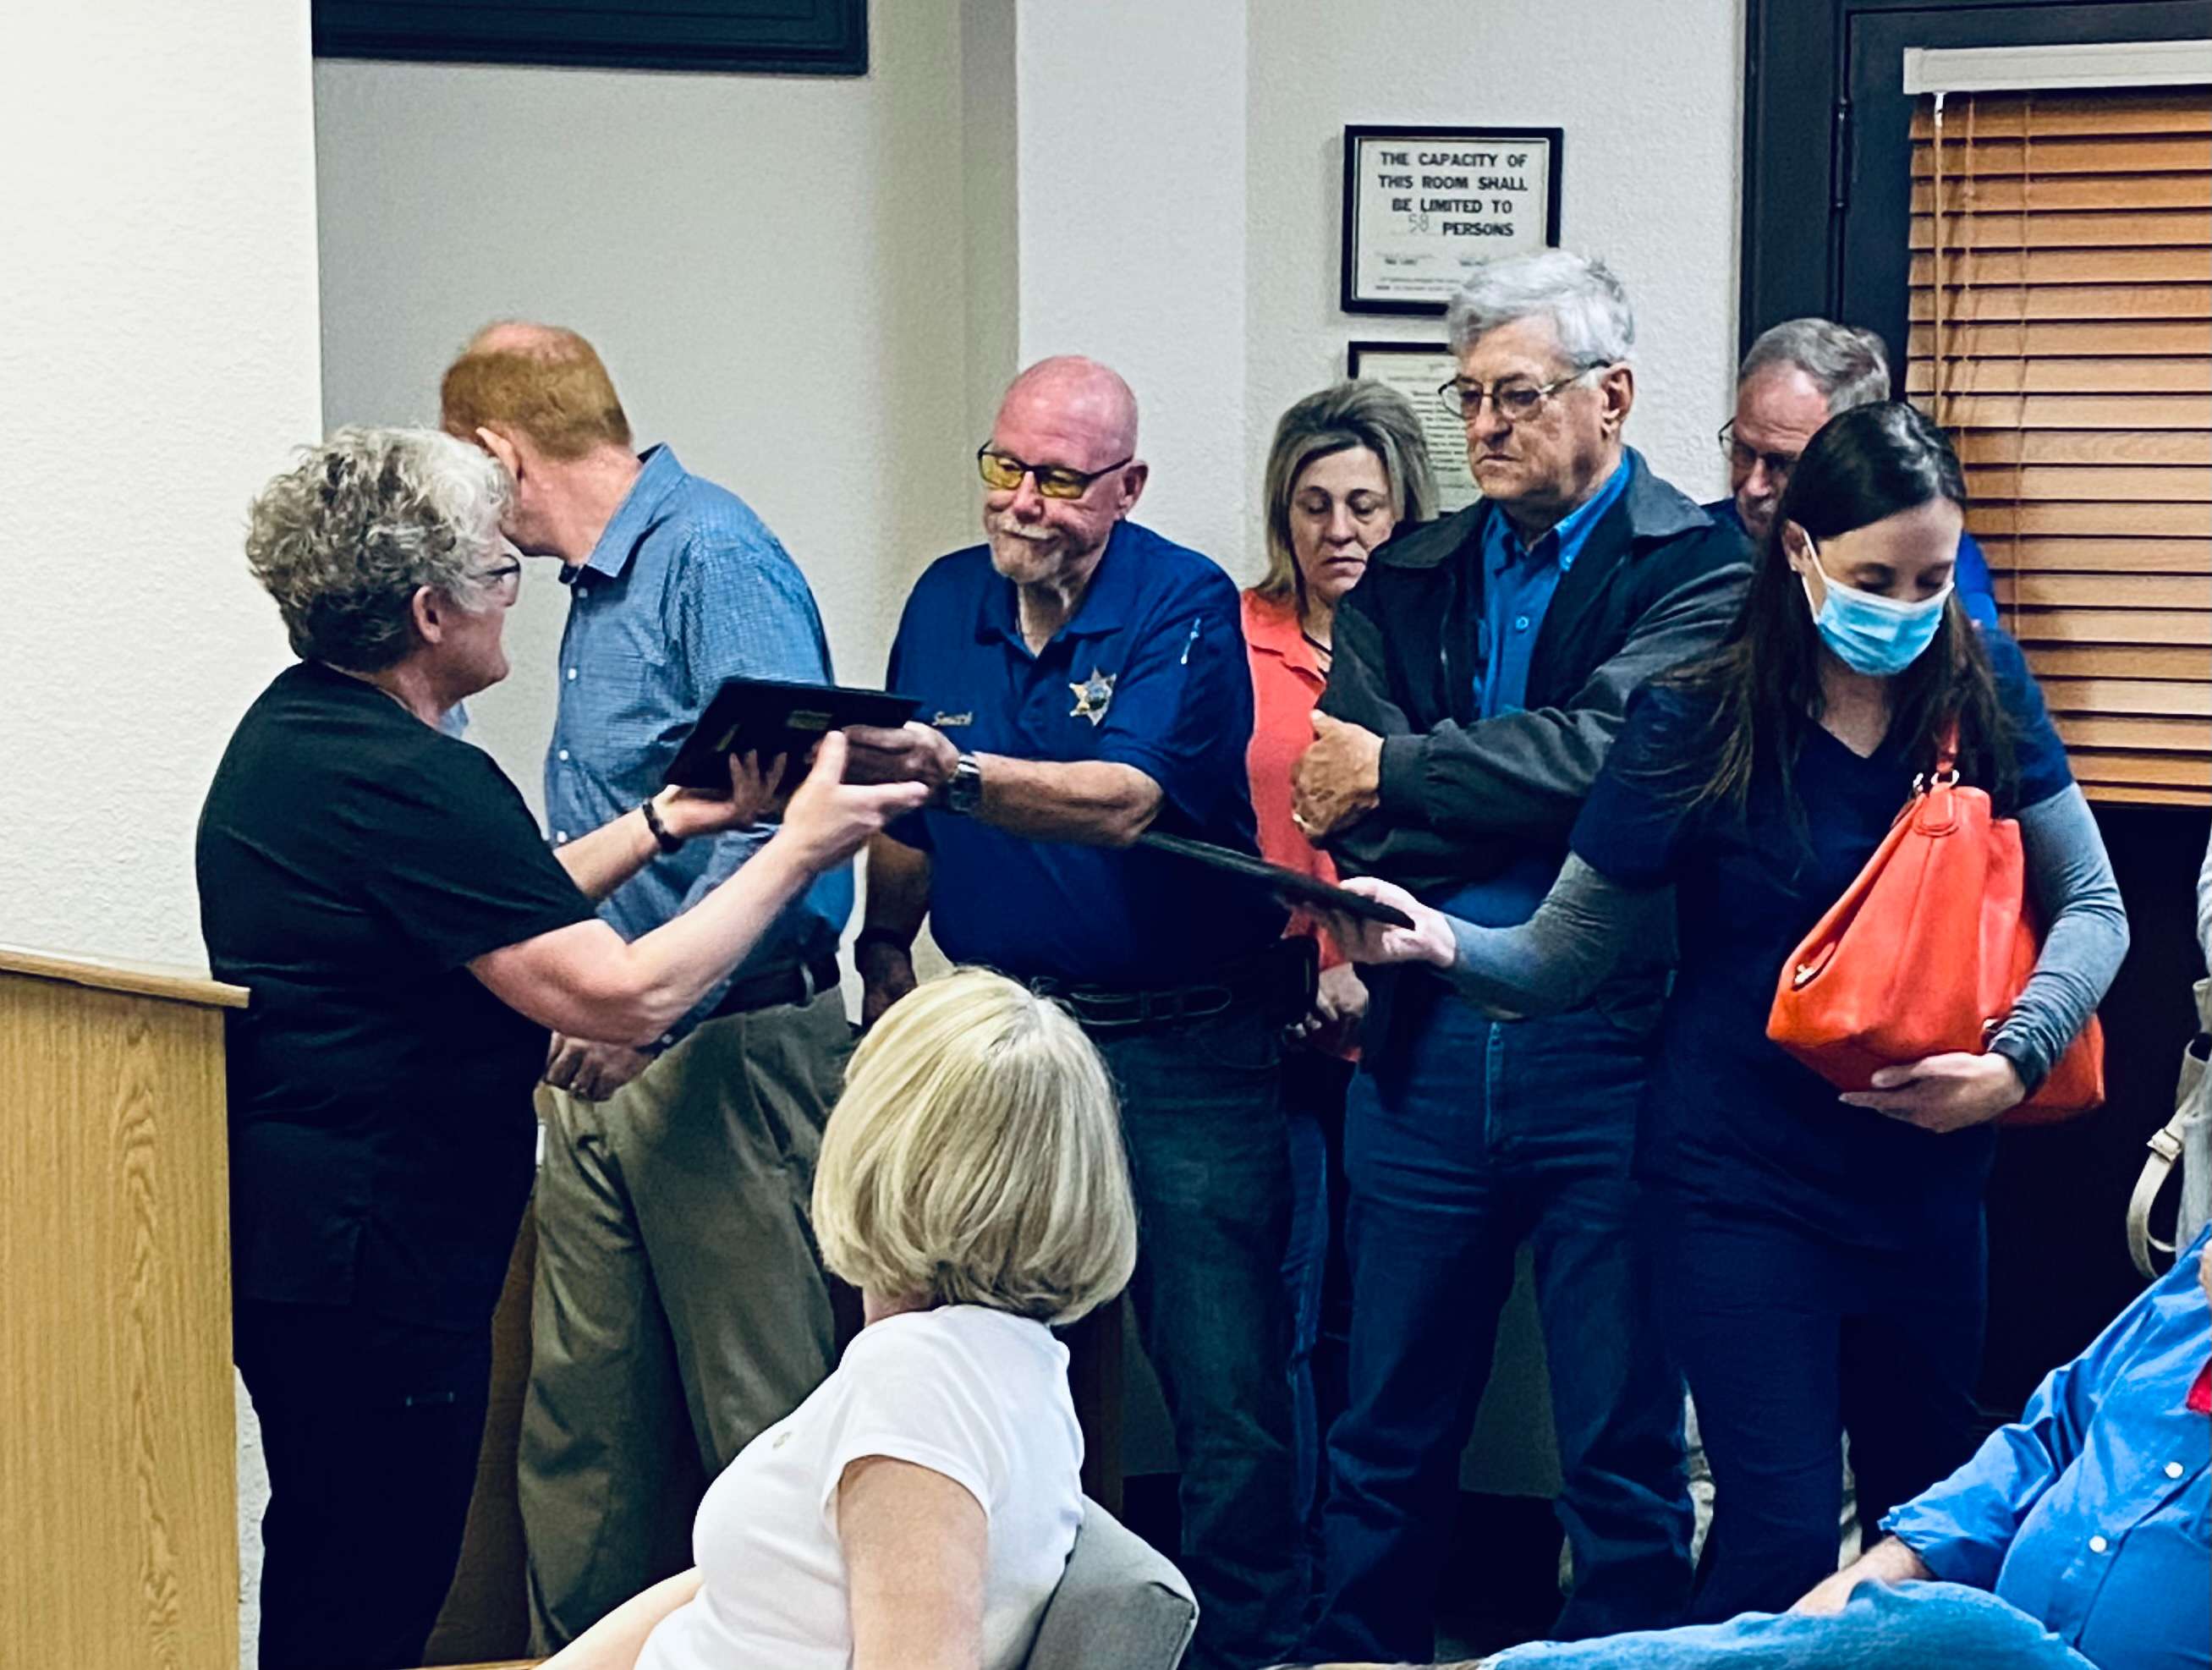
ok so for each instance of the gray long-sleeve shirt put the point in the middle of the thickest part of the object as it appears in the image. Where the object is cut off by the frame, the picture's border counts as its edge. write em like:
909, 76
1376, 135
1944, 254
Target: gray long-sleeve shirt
1555, 959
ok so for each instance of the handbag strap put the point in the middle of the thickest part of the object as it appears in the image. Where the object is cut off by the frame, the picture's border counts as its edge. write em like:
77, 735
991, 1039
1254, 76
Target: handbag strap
2151, 1255
1944, 773
1946, 750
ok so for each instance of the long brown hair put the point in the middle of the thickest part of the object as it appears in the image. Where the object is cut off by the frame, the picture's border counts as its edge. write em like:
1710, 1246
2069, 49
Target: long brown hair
1764, 680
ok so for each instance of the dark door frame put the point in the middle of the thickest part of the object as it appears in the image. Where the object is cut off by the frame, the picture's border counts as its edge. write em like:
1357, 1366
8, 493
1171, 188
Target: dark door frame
1872, 261
1798, 131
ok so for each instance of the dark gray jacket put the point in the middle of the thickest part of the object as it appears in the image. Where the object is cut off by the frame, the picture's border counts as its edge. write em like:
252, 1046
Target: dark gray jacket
1657, 582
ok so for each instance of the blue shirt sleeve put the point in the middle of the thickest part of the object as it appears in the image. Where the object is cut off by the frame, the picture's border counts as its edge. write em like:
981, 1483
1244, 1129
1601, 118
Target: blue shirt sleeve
1181, 712
742, 610
912, 829
1963, 1527
2039, 755
1970, 574
1641, 811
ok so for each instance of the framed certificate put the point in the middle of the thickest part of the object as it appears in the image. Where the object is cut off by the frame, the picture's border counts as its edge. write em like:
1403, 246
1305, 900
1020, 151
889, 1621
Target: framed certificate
1423, 205
1417, 370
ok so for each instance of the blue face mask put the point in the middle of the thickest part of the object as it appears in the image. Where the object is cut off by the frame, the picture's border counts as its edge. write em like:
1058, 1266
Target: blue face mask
1877, 636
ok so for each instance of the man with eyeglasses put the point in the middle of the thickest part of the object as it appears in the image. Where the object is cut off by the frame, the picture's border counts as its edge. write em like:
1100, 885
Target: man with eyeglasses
1083, 680
679, 1307
1482, 668
1796, 376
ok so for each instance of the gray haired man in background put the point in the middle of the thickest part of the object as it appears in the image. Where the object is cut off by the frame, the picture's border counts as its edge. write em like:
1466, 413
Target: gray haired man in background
1795, 377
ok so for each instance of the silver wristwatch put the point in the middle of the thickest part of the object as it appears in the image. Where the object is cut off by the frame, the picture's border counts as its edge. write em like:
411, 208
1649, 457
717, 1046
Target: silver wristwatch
963, 790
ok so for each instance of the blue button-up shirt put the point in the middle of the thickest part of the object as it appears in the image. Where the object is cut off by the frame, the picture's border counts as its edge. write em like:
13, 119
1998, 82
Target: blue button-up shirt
685, 589
2091, 1513
1149, 672
1518, 584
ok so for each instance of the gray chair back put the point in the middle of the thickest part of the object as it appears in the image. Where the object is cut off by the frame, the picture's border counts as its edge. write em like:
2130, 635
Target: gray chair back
1119, 1603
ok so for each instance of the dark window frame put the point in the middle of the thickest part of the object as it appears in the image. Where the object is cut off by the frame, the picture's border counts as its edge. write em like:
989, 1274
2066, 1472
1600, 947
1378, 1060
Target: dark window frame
1799, 140
775, 37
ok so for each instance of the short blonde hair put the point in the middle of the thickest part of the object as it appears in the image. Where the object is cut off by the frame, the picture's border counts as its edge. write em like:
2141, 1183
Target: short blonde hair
545, 381
975, 1158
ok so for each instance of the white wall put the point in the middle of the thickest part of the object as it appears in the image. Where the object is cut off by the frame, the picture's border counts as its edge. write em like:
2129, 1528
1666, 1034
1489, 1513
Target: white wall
1650, 97
158, 360
773, 268
1132, 233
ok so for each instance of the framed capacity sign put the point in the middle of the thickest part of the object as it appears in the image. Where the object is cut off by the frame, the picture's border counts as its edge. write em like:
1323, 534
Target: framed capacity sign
1417, 370
1422, 206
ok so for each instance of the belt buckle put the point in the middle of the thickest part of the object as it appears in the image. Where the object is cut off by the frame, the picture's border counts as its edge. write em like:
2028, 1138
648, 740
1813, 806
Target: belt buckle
807, 988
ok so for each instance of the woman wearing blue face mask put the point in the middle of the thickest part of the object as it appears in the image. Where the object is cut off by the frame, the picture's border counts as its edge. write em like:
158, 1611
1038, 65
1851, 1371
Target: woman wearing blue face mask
1818, 1259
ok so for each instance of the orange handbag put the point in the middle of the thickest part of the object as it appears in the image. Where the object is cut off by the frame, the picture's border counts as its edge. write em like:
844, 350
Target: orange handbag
1925, 953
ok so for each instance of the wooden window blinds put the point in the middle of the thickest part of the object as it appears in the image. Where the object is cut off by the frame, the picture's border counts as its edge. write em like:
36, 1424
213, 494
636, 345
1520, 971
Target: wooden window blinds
2062, 331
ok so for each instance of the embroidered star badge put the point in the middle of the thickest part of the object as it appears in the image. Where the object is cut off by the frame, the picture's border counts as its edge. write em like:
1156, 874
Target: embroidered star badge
1093, 697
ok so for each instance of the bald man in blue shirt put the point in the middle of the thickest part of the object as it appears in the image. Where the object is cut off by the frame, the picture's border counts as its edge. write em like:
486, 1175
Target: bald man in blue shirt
1083, 680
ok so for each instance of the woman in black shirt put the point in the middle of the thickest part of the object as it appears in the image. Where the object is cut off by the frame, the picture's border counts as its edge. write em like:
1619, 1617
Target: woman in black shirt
409, 939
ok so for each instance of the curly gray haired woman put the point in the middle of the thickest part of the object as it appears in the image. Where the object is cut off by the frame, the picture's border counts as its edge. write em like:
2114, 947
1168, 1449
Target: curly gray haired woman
408, 940
344, 541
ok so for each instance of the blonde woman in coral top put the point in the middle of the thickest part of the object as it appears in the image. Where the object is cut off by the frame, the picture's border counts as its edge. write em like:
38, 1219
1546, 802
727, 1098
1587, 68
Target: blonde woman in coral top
1348, 464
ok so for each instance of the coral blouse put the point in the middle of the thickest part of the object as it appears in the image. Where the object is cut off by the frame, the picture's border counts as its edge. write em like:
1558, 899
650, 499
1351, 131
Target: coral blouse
1286, 682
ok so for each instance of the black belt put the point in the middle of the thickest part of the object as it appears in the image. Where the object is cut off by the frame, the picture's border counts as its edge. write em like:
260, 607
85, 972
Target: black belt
1256, 980
795, 982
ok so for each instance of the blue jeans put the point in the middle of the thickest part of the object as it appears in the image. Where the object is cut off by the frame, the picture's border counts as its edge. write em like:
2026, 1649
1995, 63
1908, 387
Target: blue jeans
1788, 1342
1202, 1114
1904, 1627
1463, 1138
1313, 1086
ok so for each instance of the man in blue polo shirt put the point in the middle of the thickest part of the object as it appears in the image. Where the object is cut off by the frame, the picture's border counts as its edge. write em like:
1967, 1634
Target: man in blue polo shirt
1083, 680
1798, 375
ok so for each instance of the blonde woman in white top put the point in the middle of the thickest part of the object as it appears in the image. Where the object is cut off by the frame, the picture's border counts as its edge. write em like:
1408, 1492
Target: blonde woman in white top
919, 1507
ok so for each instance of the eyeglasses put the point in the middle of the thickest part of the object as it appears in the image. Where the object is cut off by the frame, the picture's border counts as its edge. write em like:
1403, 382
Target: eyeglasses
1514, 402
1744, 459
502, 579
1002, 472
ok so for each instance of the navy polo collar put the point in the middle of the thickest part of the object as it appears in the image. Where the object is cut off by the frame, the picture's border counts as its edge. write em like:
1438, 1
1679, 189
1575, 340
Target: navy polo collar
1107, 604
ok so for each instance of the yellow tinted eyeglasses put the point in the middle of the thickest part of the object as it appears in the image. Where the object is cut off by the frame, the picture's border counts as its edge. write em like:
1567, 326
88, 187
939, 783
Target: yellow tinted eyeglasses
1002, 472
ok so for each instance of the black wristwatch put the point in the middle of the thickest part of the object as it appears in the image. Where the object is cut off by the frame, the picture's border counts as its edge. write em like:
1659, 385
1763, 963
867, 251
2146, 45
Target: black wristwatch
662, 838
963, 789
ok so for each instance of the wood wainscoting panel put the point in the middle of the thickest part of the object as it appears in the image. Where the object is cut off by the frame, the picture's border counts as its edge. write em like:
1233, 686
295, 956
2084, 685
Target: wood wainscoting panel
119, 1530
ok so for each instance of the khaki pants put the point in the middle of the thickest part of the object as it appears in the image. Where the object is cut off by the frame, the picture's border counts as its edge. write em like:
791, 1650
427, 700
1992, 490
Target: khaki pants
679, 1307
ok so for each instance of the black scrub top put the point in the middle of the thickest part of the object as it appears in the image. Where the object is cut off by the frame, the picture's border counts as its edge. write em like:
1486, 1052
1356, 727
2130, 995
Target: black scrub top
1730, 1120
352, 861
